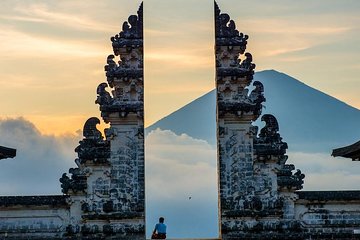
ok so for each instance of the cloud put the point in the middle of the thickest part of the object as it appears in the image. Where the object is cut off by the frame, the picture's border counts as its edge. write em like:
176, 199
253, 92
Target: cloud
181, 184
177, 167
29, 46
281, 51
181, 174
293, 26
292, 36
40, 161
42, 13
324, 172
181, 161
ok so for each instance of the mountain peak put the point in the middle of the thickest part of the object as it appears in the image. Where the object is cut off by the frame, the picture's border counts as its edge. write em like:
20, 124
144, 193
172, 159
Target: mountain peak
309, 120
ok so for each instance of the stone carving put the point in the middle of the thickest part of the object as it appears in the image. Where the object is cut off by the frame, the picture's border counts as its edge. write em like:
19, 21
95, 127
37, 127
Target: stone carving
269, 143
230, 44
128, 44
111, 171
126, 191
93, 147
76, 183
132, 32
124, 77
252, 170
288, 180
257, 95
233, 76
103, 98
119, 191
226, 33
247, 64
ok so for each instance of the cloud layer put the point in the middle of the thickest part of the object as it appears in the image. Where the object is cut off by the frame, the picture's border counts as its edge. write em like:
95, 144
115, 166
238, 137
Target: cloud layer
39, 162
181, 174
181, 184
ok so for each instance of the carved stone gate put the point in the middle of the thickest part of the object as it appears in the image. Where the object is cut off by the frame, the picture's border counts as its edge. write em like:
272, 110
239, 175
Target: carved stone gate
104, 197
258, 191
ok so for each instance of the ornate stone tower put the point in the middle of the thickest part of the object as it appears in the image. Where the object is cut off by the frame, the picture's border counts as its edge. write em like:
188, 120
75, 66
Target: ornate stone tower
107, 190
256, 187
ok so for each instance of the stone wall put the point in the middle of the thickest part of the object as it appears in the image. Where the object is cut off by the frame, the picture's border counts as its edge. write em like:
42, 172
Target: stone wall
258, 190
104, 195
329, 214
33, 217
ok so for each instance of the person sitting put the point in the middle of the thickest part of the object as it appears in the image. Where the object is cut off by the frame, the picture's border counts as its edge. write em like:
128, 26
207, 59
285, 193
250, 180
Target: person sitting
160, 230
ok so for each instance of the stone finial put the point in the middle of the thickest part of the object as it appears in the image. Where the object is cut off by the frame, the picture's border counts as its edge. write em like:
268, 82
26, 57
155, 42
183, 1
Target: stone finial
286, 179
77, 182
271, 128
103, 98
92, 147
90, 131
225, 31
125, 75
131, 34
257, 95
269, 143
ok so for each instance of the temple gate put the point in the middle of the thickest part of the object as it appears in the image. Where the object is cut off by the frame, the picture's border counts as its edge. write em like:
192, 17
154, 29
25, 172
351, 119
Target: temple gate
104, 196
258, 191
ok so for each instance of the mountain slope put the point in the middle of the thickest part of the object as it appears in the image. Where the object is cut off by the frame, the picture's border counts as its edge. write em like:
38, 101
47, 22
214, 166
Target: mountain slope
196, 119
310, 121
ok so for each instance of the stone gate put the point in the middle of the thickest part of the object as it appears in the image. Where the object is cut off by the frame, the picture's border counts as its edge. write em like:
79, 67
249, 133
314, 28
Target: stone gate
258, 191
104, 196
259, 197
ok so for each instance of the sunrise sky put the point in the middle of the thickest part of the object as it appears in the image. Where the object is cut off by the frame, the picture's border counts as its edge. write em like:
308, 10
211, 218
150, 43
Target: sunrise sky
53, 52
52, 60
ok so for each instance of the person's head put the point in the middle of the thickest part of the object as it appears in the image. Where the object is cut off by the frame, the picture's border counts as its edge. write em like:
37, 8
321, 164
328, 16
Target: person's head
161, 220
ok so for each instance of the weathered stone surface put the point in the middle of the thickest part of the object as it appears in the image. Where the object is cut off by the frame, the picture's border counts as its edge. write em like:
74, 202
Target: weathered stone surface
119, 193
93, 148
258, 197
33, 217
226, 33
105, 194
125, 77
51, 200
247, 163
328, 196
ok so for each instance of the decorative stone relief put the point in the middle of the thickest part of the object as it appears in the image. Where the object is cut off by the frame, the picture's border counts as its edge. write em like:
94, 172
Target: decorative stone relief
252, 167
120, 194
93, 147
110, 172
76, 183
125, 77
233, 75
269, 143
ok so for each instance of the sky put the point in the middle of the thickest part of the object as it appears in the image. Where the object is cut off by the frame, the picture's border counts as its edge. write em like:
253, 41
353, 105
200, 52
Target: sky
53, 52
52, 59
